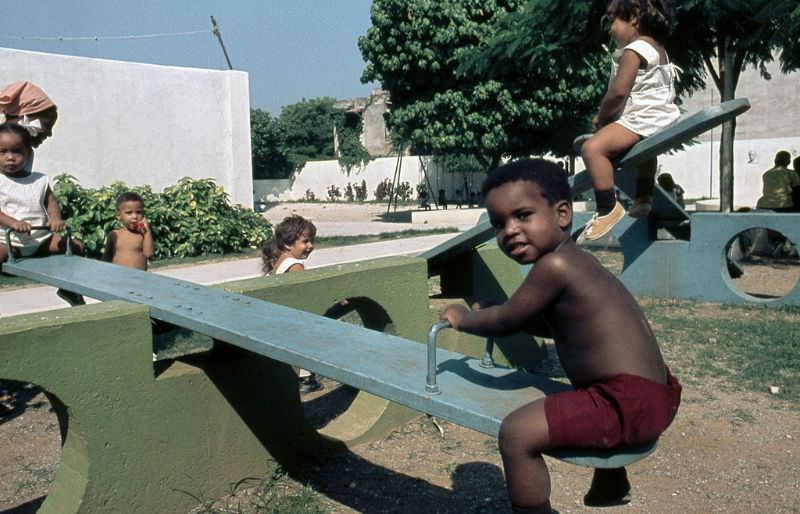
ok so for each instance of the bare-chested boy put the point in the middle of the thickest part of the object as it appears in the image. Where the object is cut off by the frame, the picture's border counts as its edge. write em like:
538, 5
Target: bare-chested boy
132, 244
624, 392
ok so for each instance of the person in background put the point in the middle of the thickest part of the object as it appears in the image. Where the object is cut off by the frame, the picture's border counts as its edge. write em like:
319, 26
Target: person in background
286, 252
673, 189
779, 185
132, 244
26, 104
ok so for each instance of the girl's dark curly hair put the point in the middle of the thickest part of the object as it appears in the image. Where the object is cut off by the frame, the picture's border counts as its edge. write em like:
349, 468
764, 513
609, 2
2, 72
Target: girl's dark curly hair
656, 18
21, 132
286, 233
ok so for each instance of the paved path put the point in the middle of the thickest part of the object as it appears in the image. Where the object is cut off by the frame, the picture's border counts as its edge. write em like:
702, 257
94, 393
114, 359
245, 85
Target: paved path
43, 298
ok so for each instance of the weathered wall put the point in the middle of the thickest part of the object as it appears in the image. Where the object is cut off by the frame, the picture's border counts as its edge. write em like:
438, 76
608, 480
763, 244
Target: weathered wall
140, 123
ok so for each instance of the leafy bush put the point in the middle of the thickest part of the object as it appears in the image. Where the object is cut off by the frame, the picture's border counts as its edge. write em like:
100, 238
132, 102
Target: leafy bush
361, 191
334, 193
193, 217
349, 195
404, 191
384, 190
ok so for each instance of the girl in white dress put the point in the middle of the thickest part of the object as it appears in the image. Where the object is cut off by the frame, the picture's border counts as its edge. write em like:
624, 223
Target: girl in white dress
290, 246
639, 102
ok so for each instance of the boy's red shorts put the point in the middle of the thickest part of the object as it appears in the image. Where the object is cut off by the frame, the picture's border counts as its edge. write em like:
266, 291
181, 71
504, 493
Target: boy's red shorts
624, 410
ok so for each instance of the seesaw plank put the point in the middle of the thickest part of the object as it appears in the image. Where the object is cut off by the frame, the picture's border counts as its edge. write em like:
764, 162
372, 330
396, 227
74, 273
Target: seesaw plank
388, 366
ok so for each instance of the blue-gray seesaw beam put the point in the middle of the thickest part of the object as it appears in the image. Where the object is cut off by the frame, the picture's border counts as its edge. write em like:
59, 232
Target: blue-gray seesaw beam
664, 207
387, 366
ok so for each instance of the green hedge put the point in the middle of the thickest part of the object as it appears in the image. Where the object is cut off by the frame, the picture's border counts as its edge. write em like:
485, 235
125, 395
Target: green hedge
193, 217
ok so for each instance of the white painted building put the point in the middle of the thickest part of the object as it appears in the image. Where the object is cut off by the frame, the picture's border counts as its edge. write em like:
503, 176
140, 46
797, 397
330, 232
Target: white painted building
140, 123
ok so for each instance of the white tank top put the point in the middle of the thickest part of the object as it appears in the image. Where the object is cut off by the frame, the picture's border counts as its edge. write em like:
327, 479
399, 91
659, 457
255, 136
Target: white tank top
286, 264
23, 198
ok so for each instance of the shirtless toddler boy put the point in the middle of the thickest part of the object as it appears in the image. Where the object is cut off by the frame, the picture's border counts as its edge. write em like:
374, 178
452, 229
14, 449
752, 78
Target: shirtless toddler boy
132, 244
624, 394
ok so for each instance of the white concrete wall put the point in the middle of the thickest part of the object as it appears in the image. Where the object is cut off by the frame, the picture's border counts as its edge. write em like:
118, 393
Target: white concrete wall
141, 123
319, 175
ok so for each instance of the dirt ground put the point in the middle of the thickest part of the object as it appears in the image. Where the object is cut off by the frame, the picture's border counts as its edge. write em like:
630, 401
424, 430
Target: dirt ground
732, 452
725, 452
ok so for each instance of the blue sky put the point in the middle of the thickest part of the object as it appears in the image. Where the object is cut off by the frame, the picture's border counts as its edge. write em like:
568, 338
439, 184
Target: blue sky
291, 49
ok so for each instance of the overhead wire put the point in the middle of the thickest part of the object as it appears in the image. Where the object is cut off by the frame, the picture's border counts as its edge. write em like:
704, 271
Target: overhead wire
101, 38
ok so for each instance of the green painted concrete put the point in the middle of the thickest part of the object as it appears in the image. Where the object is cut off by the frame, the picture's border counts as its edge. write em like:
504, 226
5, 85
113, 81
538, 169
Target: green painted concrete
134, 439
142, 437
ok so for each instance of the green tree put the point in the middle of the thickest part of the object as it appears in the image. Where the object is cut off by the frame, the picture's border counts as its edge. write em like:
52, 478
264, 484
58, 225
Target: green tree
713, 38
308, 128
443, 103
268, 147
304, 131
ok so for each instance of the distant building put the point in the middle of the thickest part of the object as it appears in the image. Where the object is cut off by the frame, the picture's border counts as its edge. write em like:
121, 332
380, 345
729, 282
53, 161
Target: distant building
374, 135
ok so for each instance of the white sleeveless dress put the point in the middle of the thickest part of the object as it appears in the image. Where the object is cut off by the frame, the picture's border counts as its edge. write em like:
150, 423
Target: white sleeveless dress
24, 198
651, 104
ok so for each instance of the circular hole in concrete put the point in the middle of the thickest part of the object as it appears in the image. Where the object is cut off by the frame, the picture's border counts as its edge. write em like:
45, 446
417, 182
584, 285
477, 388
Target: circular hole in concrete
334, 399
31, 448
762, 263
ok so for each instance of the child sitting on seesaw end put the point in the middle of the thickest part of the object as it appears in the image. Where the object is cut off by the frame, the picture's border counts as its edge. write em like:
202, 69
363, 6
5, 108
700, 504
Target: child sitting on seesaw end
27, 201
639, 102
132, 244
624, 394
290, 246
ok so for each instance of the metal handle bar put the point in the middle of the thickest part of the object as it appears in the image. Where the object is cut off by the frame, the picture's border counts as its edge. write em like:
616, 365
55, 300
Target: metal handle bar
9, 230
431, 387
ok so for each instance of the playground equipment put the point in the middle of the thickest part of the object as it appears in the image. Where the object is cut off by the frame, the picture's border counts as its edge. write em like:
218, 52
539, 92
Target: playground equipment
137, 433
236, 408
693, 262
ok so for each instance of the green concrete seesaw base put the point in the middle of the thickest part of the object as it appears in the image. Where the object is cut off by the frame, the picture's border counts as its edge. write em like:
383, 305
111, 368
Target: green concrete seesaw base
141, 443
138, 437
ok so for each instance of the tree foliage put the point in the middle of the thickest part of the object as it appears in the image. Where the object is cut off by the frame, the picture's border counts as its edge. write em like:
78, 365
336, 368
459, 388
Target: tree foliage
426, 55
302, 132
268, 147
709, 33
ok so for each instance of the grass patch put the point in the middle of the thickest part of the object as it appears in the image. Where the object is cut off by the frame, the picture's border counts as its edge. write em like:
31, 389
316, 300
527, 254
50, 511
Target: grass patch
734, 347
334, 241
274, 493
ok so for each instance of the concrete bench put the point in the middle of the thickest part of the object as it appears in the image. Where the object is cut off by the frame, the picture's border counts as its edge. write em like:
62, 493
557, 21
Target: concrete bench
387, 366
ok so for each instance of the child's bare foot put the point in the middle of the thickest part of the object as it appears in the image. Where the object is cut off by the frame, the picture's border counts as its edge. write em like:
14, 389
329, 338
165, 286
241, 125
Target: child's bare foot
599, 226
609, 487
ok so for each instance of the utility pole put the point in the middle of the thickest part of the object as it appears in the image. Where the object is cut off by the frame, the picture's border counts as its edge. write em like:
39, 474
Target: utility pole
216, 32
